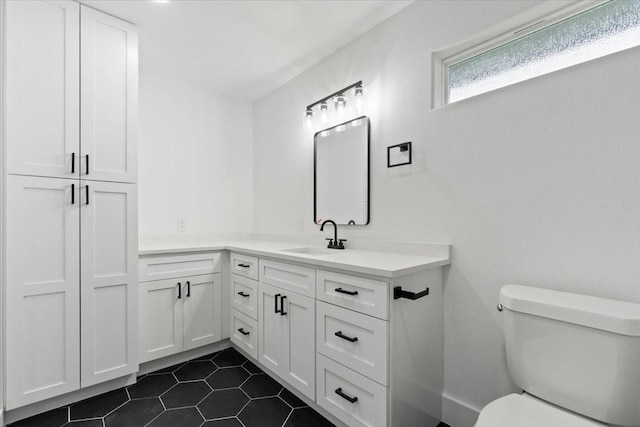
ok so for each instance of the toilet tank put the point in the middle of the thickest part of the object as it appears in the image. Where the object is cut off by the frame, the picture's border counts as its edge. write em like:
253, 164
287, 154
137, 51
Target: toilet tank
579, 352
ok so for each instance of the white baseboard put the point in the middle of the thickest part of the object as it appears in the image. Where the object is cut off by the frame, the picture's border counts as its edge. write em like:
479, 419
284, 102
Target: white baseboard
67, 399
458, 414
182, 357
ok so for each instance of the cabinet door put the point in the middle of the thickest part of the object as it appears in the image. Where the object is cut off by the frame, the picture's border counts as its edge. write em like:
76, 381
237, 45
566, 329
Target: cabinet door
109, 97
160, 318
300, 343
109, 298
202, 299
273, 329
42, 289
42, 82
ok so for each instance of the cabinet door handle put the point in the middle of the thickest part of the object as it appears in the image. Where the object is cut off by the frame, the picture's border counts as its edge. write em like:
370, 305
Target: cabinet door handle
282, 312
276, 299
86, 190
243, 332
188, 289
340, 393
73, 162
244, 265
73, 194
179, 290
242, 294
342, 291
87, 158
344, 337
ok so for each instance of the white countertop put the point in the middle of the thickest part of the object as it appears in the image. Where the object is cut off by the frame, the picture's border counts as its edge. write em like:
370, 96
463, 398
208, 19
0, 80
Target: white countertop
385, 264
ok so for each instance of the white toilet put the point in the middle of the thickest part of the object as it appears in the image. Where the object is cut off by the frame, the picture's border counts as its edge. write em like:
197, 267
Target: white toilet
576, 357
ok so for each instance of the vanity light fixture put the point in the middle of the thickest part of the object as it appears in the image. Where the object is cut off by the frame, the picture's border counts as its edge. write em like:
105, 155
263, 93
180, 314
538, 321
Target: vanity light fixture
339, 100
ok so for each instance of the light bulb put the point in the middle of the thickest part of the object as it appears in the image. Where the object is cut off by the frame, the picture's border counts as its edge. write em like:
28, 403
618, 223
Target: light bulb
323, 112
341, 103
359, 95
309, 120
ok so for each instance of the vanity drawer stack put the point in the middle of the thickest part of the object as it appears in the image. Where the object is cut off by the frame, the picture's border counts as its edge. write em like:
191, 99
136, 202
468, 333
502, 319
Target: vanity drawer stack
244, 303
352, 344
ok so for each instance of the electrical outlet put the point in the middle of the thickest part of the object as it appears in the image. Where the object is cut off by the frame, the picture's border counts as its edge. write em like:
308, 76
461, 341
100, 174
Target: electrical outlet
300, 225
182, 224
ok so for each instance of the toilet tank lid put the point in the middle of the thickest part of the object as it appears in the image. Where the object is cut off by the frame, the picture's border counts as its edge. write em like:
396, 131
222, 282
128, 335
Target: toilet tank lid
620, 317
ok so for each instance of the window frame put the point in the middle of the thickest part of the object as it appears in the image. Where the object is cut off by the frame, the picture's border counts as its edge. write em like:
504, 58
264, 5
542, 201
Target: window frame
519, 26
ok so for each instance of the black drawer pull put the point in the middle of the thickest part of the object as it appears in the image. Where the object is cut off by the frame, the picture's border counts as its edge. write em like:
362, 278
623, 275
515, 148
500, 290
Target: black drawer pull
399, 293
344, 337
242, 294
342, 291
179, 290
73, 194
87, 193
87, 157
73, 162
282, 312
244, 265
339, 392
276, 296
243, 332
188, 289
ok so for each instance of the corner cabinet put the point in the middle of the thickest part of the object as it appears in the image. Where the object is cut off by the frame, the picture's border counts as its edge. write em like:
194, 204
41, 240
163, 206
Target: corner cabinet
180, 303
71, 232
363, 351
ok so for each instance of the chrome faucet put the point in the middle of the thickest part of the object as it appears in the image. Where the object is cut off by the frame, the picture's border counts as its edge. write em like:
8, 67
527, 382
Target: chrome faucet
334, 243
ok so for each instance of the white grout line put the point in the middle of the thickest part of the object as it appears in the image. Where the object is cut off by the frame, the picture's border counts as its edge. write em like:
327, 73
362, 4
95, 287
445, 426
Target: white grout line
288, 416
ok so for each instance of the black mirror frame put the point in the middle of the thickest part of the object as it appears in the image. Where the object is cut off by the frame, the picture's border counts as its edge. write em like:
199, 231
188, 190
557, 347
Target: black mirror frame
315, 168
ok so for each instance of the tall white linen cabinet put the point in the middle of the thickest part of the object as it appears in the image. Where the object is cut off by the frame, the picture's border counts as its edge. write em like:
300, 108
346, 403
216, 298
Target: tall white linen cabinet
71, 84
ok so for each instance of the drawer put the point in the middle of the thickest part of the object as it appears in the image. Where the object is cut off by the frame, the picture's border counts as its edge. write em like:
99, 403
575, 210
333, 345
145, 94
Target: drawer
353, 339
244, 265
244, 295
177, 265
244, 333
288, 276
355, 293
333, 379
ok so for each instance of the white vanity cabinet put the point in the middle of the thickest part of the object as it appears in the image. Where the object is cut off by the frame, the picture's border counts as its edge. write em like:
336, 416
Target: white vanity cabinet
180, 303
367, 349
71, 242
380, 358
286, 337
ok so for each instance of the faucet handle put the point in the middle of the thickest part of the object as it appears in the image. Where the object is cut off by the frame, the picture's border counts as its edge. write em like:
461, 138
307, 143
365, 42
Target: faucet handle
330, 242
340, 244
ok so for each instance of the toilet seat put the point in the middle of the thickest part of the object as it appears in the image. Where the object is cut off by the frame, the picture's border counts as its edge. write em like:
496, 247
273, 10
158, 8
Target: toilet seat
523, 410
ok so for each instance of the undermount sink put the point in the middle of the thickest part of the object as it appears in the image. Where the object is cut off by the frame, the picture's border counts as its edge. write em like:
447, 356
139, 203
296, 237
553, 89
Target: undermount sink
310, 251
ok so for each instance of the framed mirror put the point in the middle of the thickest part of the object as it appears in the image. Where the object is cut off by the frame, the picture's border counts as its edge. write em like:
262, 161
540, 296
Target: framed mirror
341, 173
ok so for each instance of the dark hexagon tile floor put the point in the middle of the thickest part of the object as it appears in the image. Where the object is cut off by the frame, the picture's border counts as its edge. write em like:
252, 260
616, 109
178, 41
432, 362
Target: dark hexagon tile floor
221, 389
228, 377
261, 385
195, 370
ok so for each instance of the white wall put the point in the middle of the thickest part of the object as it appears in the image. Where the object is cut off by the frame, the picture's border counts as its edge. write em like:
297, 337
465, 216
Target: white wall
536, 183
195, 160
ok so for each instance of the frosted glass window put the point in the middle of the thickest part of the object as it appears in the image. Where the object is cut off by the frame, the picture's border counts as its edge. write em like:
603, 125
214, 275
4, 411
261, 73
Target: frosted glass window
604, 29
